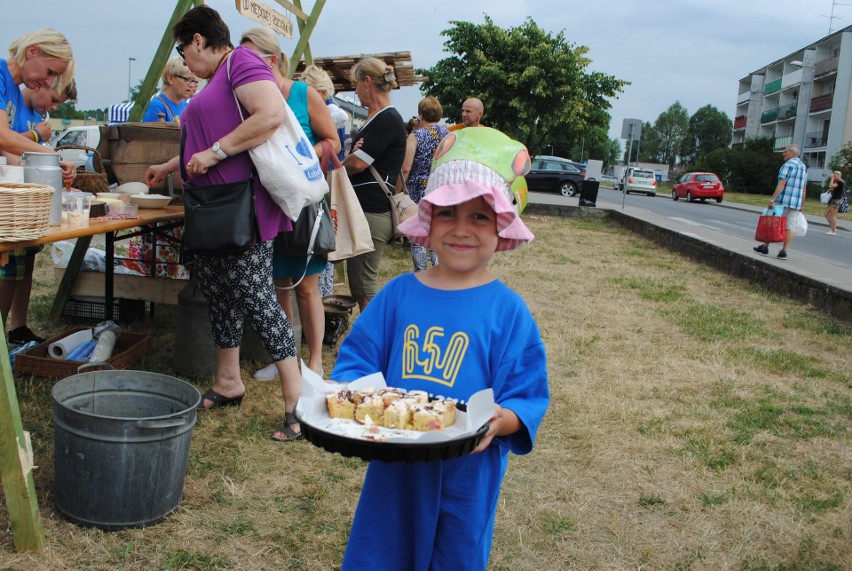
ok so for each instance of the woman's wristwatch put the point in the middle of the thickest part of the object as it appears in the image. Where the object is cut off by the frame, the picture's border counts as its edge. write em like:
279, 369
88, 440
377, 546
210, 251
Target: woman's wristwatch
216, 148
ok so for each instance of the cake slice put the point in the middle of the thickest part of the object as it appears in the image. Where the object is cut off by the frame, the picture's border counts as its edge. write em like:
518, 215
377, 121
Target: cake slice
398, 415
371, 404
340, 404
426, 418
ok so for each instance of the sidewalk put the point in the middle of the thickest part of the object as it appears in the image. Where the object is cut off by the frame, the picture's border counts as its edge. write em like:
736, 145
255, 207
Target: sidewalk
808, 279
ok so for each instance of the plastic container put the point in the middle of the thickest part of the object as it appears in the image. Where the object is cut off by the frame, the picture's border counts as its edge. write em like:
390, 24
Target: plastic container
78, 206
121, 442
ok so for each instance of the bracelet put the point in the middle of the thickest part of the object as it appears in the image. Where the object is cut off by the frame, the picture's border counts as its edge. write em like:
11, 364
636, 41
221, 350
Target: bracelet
35, 135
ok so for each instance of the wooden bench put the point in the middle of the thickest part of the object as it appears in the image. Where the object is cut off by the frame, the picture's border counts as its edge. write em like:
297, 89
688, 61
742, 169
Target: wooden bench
157, 290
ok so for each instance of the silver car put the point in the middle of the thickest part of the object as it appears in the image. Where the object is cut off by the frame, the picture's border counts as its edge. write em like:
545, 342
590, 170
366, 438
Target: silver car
640, 180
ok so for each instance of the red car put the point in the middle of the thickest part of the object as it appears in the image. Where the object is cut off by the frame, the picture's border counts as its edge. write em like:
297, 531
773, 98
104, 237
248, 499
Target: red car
698, 186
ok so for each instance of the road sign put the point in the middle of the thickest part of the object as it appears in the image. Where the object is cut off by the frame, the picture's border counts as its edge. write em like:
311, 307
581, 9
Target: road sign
631, 129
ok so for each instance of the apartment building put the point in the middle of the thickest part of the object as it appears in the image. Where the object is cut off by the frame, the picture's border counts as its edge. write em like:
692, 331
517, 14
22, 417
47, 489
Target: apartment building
803, 98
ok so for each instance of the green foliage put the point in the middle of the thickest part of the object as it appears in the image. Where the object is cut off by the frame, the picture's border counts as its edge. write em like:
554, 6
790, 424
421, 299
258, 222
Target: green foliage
752, 169
709, 129
67, 110
668, 133
534, 85
842, 161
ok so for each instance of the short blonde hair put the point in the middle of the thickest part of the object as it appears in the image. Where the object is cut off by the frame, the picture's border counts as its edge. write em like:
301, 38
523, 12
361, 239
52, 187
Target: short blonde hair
318, 78
50, 43
381, 73
176, 66
266, 42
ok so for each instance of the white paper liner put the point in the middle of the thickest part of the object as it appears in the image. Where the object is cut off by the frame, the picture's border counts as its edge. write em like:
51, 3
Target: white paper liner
312, 409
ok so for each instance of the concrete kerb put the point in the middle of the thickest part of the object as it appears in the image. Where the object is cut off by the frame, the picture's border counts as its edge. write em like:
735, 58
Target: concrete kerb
834, 300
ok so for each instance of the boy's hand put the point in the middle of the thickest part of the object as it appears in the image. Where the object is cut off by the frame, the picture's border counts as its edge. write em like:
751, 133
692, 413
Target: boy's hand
503, 423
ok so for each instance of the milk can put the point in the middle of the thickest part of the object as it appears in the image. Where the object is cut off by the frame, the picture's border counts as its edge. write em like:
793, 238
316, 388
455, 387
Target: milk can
43, 168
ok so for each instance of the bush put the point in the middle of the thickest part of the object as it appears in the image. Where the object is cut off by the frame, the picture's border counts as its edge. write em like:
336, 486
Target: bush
743, 170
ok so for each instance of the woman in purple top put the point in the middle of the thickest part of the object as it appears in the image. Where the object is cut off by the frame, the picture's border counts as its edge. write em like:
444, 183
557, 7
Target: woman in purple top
237, 286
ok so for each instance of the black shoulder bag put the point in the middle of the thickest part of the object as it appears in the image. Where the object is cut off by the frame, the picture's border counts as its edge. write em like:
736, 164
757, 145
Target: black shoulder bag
219, 219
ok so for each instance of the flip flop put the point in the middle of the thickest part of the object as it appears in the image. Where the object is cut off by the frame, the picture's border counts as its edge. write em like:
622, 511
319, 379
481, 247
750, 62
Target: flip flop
219, 401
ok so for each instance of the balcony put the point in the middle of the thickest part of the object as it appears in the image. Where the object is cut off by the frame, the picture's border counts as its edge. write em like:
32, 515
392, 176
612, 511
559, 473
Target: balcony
782, 142
822, 102
740, 122
743, 97
787, 111
826, 66
816, 139
769, 116
773, 86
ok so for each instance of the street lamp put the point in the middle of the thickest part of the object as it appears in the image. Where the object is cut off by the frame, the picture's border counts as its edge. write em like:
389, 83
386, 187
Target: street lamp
810, 86
130, 61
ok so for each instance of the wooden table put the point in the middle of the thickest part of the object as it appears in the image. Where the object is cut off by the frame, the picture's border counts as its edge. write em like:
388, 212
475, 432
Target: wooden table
151, 221
16, 455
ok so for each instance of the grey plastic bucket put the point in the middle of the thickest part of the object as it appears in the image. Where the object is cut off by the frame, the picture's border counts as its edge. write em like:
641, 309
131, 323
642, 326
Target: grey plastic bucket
121, 445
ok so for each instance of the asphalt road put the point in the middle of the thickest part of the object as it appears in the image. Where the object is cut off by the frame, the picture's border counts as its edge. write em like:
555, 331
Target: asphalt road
736, 220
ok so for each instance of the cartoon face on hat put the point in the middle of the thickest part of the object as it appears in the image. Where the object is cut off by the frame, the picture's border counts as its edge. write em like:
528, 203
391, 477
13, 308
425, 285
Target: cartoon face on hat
477, 162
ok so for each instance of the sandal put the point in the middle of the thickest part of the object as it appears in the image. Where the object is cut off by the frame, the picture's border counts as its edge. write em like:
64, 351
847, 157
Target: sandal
286, 432
219, 401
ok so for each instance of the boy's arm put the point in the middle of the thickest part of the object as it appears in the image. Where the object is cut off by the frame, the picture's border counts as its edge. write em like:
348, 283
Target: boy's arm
503, 423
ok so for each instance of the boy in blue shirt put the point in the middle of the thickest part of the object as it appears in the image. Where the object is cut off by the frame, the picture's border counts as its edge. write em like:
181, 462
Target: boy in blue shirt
451, 330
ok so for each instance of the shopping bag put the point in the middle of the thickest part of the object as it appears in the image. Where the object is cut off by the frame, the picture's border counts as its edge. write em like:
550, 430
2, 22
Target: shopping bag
287, 164
797, 223
771, 228
353, 235
402, 207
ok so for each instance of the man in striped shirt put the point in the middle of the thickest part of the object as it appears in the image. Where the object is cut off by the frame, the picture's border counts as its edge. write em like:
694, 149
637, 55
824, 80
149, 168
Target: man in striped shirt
789, 193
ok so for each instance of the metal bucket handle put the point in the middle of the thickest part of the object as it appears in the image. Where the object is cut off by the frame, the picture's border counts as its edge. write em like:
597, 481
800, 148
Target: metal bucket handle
167, 423
103, 364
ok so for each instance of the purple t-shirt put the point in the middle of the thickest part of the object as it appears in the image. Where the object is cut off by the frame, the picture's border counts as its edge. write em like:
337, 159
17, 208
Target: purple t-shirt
212, 114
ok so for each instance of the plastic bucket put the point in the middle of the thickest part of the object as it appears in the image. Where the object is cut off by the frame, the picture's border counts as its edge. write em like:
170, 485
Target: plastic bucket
121, 445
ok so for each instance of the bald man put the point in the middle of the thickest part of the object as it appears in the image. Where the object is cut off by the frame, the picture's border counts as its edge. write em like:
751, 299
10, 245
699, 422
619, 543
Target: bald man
472, 112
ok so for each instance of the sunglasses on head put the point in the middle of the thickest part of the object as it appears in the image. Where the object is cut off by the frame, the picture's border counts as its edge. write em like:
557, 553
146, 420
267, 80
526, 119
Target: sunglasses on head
179, 49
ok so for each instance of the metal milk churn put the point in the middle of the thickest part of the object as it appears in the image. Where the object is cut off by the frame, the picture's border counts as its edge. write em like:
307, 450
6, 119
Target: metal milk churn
43, 168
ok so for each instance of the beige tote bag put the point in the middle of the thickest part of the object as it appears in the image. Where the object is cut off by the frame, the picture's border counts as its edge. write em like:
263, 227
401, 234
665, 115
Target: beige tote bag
352, 233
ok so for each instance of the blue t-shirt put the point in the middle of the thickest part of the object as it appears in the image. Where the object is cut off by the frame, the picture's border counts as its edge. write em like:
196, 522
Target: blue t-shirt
26, 119
10, 95
162, 104
440, 515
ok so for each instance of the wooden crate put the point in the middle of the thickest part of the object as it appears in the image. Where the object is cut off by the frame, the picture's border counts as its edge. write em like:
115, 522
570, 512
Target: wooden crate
136, 146
36, 361
157, 290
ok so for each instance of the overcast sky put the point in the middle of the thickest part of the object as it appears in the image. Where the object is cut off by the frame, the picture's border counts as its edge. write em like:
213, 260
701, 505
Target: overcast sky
694, 51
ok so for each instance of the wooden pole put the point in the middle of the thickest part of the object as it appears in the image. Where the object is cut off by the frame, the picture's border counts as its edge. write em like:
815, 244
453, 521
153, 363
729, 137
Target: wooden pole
164, 52
305, 36
16, 465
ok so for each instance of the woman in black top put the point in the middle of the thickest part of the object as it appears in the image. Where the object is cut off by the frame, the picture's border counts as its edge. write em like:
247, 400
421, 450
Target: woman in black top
380, 143
836, 186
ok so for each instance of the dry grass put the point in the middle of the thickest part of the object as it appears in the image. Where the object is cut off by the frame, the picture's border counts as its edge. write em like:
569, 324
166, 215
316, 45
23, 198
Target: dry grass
696, 423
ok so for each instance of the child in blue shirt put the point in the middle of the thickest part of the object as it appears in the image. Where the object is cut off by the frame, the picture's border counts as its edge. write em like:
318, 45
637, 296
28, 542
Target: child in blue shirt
451, 330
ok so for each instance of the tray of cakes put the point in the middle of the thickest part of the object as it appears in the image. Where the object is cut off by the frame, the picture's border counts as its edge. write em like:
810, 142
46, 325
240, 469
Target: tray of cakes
367, 419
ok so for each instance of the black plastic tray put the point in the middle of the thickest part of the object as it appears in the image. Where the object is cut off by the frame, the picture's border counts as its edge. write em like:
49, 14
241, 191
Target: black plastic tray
391, 451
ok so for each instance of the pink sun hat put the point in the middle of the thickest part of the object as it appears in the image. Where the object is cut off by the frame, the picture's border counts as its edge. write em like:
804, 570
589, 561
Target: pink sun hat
456, 179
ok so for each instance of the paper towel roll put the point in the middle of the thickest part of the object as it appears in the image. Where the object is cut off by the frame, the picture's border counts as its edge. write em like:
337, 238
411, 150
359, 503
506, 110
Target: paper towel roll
62, 348
104, 347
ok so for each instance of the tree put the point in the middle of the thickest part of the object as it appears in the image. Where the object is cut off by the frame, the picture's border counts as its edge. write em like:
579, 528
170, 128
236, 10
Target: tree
534, 86
752, 169
842, 161
671, 128
709, 129
67, 110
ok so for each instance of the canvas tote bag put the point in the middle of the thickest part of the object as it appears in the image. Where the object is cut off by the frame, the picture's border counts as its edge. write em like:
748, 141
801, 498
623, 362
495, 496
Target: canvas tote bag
287, 164
352, 235
402, 207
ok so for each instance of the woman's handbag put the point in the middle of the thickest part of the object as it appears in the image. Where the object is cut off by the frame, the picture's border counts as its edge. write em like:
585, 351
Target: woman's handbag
771, 228
352, 232
287, 164
218, 220
844, 205
402, 207
313, 233
825, 197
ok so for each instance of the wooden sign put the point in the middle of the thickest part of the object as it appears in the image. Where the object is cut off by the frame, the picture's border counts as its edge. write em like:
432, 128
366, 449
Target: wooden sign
260, 12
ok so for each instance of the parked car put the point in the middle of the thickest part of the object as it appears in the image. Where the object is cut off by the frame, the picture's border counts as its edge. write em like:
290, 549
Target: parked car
80, 136
635, 179
555, 174
698, 186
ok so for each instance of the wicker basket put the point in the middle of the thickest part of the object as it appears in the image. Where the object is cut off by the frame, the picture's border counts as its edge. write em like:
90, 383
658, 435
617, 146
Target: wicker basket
37, 362
24, 211
93, 182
